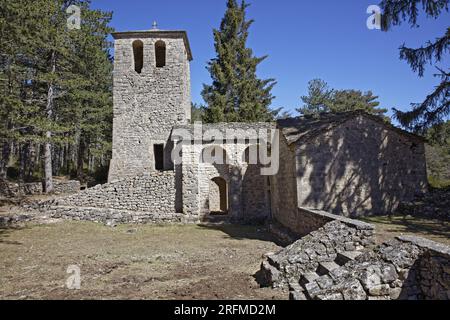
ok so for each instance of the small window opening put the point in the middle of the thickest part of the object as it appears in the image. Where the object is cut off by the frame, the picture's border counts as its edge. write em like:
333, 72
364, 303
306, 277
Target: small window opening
138, 52
158, 151
160, 54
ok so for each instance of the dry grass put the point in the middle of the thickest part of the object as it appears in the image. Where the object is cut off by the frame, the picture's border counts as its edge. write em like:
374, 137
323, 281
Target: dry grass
133, 262
388, 227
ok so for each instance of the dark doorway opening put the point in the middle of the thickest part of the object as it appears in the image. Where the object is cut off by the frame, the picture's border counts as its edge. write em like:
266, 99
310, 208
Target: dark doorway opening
158, 151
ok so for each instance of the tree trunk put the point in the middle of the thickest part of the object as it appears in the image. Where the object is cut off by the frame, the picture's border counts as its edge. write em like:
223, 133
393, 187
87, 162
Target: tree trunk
48, 174
30, 161
80, 159
6, 151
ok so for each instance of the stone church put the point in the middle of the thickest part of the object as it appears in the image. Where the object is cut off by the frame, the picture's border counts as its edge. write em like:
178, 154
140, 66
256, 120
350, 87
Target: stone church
349, 164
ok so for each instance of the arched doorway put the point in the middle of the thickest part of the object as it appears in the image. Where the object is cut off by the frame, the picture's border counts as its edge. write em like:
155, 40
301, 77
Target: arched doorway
218, 196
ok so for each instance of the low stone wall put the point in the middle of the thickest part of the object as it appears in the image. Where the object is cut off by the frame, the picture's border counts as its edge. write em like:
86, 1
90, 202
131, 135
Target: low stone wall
435, 204
338, 262
153, 192
308, 220
148, 198
14, 189
432, 268
114, 216
323, 245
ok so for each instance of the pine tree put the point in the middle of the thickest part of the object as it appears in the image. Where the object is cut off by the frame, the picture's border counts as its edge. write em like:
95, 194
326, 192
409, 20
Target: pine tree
349, 100
318, 98
57, 89
321, 98
436, 106
236, 93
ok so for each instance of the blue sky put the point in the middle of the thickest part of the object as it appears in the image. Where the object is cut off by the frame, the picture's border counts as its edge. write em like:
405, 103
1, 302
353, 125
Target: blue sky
325, 39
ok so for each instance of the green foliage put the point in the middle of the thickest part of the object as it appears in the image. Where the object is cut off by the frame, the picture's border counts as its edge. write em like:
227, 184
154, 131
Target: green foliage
438, 155
435, 109
236, 93
318, 98
56, 80
321, 98
197, 112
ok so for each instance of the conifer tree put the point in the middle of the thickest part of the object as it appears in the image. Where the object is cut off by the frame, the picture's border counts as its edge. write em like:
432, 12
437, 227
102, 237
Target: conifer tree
236, 93
435, 109
321, 98
55, 83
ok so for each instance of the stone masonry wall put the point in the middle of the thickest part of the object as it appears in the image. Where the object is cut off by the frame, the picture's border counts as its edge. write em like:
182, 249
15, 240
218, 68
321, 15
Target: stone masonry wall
284, 187
322, 245
248, 196
147, 105
358, 168
14, 189
409, 268
154, 192
338, 262
145, 198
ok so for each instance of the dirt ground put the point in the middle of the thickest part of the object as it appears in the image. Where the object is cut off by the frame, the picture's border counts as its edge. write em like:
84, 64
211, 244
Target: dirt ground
134, 261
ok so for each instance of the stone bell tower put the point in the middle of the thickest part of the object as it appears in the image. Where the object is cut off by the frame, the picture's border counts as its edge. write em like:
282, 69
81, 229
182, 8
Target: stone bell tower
151, 95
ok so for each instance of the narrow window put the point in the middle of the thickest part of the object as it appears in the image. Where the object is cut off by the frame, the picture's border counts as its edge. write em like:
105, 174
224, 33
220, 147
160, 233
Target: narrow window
160, 54
158, 152
138, 52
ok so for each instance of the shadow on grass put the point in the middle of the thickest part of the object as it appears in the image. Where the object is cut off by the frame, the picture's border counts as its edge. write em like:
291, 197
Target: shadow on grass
412, 225
241, 232
5, 232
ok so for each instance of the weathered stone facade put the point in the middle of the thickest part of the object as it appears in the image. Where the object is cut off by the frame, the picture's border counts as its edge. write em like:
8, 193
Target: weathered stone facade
148, 104
248, 194
352, 164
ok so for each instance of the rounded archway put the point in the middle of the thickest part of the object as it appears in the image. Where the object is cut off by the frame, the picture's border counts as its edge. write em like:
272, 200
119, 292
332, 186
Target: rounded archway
218, 196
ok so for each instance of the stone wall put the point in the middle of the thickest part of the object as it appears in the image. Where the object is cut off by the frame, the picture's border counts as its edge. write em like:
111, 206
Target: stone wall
152, 192
248, 191
339, 262
284, 187
15, 189
112, 217
322, 245
145, 198
408, 268
148, 104
360, 167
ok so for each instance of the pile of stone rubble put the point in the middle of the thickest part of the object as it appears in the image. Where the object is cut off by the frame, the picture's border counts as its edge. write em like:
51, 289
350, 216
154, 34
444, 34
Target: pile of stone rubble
325, 266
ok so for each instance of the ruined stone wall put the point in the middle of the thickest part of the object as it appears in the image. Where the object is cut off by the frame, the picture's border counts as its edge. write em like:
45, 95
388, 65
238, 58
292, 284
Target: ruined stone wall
339, 262
147, 105
358, 168
15, 189
153, 193
302, 257
409, 268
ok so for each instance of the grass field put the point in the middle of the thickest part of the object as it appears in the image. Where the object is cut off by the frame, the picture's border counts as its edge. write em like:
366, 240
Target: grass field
134, 261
